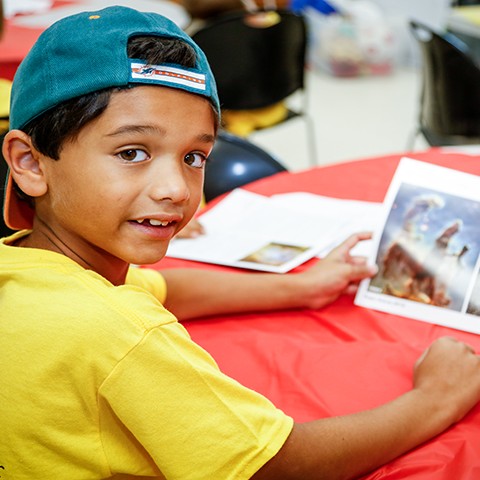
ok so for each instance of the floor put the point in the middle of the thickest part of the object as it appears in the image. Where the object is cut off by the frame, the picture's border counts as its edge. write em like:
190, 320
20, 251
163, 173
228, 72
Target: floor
353, 117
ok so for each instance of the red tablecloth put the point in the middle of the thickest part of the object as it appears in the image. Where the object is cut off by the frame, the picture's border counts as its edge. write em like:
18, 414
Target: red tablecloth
343, 358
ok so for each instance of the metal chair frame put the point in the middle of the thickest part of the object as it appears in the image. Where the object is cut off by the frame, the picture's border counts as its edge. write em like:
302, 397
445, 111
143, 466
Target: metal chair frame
450, 93
259, 66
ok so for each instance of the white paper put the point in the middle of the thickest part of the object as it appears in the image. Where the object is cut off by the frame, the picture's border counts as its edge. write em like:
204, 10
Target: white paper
427, 248
347, 216
252, 231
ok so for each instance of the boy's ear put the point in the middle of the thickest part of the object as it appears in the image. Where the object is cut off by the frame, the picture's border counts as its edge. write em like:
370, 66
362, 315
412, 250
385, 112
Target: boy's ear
24, 162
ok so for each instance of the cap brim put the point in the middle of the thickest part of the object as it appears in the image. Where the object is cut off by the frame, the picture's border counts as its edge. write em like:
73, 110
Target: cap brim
17, 213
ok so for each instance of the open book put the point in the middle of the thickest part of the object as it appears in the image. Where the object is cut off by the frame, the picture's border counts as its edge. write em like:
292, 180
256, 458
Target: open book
274, 234
427, 248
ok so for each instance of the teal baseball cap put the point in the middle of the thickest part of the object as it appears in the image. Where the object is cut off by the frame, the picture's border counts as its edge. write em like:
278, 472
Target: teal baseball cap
85, 53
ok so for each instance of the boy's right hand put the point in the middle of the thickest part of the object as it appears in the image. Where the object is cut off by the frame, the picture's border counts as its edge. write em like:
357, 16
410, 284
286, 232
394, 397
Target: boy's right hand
449, 373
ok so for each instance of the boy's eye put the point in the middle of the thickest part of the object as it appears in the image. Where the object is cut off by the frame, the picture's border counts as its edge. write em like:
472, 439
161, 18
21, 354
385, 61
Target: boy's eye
195, 159
133, 155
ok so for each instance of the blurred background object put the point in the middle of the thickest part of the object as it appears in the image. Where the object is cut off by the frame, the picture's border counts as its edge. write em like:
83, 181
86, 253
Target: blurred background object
464, 22
42, 13
259, 61
206, 9
350, 40
16, 7
449, 110
5, 87
234, 162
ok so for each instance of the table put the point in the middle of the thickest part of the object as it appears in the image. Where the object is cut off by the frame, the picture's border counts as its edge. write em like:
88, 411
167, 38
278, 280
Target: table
21, 32
343, 358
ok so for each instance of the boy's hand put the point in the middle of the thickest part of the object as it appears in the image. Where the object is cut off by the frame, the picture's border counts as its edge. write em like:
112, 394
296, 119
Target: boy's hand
338, 273
449, 373
192, 229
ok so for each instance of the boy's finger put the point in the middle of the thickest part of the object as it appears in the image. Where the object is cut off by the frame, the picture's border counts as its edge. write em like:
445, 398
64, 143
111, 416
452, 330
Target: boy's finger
361, 271
351, 241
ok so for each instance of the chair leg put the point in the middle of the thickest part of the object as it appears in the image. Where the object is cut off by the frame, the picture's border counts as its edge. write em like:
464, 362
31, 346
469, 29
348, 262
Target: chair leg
312, 142
310, 126
412, 139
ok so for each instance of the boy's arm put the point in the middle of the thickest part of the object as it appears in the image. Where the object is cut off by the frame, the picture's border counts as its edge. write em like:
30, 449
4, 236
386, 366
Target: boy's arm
446, 387
211, 292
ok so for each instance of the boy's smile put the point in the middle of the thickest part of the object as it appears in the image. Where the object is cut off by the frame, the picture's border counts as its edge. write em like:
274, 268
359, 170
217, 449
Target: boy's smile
128, 182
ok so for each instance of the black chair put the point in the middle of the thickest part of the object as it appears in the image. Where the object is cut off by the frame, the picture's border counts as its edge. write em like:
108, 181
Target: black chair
449, 111
234, 162
258, 60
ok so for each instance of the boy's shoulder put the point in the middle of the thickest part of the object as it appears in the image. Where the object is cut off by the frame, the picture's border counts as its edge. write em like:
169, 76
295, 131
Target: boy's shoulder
63, 291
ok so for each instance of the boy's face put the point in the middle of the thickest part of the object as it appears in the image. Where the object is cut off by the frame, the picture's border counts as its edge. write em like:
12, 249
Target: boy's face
132, 178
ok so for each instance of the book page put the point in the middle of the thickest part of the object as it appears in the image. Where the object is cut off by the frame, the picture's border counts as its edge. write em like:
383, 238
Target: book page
348, 216
248, 230
427, 248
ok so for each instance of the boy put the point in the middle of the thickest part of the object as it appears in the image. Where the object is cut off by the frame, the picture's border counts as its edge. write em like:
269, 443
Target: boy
99, 380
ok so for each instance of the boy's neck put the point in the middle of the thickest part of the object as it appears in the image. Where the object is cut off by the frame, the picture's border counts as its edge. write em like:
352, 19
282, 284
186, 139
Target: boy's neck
115, 272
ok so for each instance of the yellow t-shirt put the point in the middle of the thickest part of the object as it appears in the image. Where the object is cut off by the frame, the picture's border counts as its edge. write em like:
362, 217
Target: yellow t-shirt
99, 381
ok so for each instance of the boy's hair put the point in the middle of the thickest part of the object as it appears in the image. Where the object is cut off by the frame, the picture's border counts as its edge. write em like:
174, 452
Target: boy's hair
67, 78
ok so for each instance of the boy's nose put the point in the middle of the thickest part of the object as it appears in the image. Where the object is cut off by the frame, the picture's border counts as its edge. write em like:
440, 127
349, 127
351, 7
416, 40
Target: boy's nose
169, 182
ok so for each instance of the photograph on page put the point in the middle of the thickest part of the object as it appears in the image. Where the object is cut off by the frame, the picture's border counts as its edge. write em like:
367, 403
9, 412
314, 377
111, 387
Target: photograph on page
427, 248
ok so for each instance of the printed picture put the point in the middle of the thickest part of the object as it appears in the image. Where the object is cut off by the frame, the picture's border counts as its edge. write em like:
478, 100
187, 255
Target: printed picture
274, 254
474, 303
429, 248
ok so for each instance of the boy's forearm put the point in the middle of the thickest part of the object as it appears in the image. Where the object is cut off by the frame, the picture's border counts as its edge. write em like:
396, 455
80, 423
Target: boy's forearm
212, 292
196, 293
347, 447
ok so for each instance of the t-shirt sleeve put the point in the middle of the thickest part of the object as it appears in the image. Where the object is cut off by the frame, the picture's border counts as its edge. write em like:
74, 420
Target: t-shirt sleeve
150, 280
170, 396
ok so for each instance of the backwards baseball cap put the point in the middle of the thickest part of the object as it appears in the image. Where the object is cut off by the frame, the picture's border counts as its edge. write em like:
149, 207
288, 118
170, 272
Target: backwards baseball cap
85, 53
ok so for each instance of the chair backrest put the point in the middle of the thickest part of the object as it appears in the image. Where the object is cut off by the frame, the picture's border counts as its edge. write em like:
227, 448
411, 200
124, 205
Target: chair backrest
257, 59
234, 162
450, 98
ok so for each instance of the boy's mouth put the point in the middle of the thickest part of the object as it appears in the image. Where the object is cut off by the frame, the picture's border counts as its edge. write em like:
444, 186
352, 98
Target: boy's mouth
153, 222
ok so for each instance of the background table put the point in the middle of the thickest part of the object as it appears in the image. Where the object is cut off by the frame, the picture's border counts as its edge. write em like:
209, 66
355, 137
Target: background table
343, 358
21, 32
